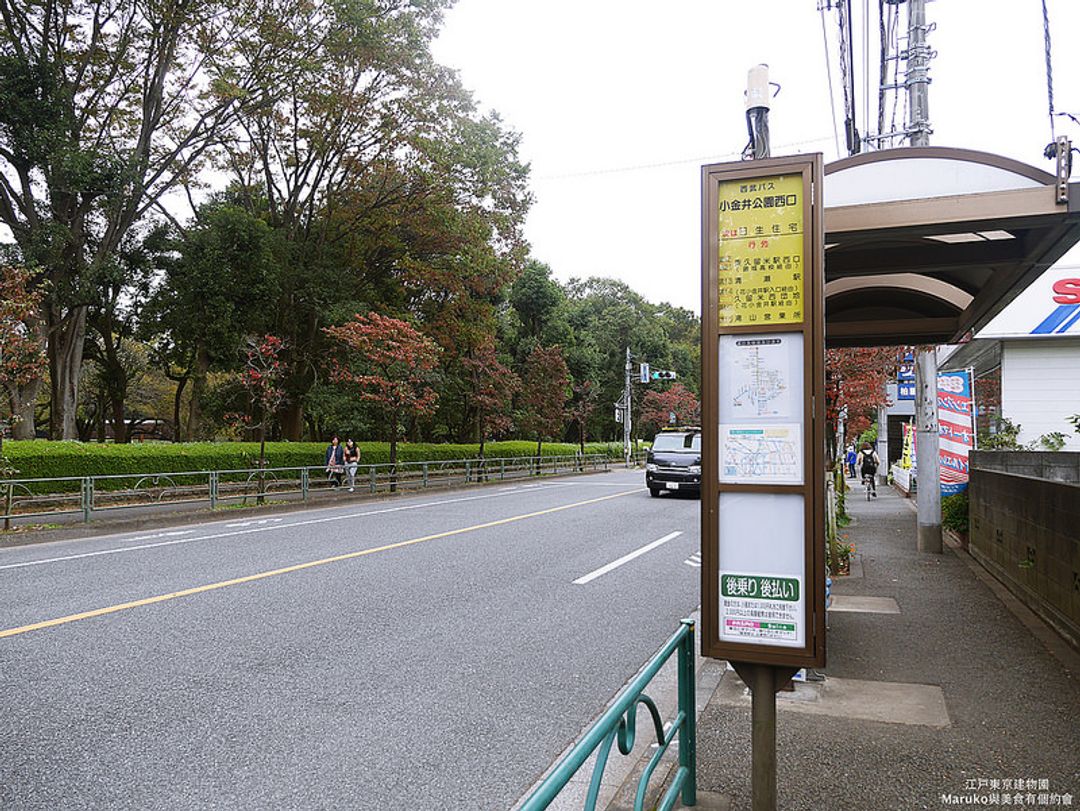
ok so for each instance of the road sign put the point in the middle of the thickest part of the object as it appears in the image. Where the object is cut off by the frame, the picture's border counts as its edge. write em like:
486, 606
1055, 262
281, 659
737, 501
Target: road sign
644, 371
763, 355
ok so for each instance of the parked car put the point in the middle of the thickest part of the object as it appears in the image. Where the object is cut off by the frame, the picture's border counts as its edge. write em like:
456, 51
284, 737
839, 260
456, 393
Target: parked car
674, 461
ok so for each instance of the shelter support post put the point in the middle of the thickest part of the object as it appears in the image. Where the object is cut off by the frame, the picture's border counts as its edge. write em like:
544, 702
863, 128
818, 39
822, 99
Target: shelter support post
928, 491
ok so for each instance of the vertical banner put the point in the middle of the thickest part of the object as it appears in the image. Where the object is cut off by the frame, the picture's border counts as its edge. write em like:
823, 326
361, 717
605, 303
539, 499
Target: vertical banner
956, 430
763, 570
907, 460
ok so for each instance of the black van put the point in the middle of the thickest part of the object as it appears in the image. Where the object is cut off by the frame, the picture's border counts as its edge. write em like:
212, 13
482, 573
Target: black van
674, 461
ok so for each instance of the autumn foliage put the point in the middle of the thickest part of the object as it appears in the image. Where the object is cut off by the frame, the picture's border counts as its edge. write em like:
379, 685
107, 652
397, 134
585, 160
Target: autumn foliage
22, 351
657, 407
390, 364
855, 379
545, 390
491, 387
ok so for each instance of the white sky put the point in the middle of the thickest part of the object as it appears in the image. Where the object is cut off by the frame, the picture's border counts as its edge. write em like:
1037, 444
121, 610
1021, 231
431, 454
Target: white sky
603, 91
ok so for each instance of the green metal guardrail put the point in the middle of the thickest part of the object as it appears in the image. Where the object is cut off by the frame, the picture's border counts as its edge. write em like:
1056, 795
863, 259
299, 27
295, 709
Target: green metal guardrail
619, 722
85, 495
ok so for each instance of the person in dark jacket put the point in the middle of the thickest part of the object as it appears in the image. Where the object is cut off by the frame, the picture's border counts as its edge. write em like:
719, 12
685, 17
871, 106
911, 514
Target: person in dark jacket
335, 461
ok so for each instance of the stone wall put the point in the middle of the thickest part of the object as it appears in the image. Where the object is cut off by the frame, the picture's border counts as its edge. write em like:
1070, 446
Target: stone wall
1026, 531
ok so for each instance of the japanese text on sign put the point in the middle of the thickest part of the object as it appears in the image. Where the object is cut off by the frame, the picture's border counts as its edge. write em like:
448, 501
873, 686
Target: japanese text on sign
760, 258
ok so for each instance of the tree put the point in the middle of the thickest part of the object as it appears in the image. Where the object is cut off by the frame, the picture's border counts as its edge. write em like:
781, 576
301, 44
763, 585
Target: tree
855, 379
261, 378
658, 406
391, 364
22, 357
544, 391
585, 398
105, 107
491, 388
222, 286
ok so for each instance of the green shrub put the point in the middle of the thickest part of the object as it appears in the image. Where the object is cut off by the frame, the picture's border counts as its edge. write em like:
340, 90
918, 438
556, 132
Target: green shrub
41, 458
954, 512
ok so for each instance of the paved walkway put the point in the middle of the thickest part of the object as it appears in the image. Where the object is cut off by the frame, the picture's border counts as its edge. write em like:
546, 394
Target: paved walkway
950, 694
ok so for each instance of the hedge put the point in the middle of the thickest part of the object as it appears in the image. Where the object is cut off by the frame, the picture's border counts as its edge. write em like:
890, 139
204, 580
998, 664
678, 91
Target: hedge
45, 459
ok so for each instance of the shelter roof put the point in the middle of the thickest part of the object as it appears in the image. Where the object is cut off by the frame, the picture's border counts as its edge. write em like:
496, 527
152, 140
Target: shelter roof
927, 244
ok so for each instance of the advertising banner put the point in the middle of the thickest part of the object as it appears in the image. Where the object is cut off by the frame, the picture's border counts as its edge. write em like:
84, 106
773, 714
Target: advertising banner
955, 429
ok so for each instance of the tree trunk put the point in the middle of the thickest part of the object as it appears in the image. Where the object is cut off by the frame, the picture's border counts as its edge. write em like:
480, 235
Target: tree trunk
198, 390
23, 402
67, 334
120, 432
292, 421
178, 400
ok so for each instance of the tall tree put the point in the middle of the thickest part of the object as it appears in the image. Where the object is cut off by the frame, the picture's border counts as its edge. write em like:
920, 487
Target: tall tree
391, 364
105, 106
222, 286
544, 393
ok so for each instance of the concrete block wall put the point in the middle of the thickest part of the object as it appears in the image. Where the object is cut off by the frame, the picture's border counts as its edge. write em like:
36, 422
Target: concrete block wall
1062, 466
1026, 531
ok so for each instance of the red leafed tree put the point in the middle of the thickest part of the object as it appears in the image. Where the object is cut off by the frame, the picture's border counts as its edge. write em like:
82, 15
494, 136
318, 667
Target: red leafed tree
855, 379
391, 364
263, 377
546, 383
586, 395
491, 391
22, 348
657, 406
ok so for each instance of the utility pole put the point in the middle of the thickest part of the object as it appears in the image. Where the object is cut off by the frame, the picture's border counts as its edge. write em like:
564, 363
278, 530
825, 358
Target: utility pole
627, 393
918, 74
928, 487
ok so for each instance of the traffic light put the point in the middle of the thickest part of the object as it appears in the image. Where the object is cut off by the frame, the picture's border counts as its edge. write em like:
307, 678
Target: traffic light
663, 374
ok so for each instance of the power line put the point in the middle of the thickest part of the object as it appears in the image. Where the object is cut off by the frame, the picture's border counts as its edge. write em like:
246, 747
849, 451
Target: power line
664, 164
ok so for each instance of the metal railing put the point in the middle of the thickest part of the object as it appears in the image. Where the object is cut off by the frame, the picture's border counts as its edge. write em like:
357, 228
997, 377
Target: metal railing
86, 495
619, 723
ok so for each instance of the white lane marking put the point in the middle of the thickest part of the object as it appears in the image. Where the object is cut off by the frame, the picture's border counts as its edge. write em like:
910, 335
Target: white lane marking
255, 523
694, 560
615, 564
249, 530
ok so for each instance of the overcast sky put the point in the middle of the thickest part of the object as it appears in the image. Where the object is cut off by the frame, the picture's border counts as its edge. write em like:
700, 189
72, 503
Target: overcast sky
619, 103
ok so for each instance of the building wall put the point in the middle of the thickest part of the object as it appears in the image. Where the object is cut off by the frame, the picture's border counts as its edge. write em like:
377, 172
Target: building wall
1023, 530
1040, 387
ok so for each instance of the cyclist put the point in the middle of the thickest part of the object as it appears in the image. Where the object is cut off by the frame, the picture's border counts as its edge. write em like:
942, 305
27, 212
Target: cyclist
868, 465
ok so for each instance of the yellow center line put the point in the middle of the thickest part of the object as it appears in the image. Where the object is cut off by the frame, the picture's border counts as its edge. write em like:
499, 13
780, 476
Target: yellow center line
112, 609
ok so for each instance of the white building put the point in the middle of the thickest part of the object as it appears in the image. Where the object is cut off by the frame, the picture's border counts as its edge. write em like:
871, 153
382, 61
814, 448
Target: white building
1027, 361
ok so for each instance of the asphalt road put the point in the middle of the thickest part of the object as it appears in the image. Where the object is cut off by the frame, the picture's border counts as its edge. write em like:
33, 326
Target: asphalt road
427, 652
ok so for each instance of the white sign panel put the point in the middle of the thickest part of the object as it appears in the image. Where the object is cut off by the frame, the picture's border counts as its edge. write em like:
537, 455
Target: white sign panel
762, 597
1050, 306
761, 408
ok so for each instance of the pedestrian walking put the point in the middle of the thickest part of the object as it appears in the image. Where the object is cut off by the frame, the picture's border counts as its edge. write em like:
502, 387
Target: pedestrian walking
851, 458
335, 461
352, 461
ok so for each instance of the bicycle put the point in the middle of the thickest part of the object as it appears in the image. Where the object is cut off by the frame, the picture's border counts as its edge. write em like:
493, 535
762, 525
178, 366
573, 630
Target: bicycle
869, 486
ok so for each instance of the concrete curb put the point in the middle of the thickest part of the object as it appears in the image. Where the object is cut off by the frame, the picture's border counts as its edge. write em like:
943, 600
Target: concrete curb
172, 515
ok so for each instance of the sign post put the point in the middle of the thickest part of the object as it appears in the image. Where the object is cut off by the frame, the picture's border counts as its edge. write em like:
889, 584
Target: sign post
763, 432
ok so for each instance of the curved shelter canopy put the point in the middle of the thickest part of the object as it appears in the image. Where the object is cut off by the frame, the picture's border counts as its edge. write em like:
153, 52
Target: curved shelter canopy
926, 244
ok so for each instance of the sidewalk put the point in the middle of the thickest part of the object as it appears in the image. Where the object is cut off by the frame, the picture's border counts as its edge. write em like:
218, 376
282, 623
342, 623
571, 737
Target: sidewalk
952, 693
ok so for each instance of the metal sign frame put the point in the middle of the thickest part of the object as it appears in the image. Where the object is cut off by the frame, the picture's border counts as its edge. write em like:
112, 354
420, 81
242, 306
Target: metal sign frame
812, 488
